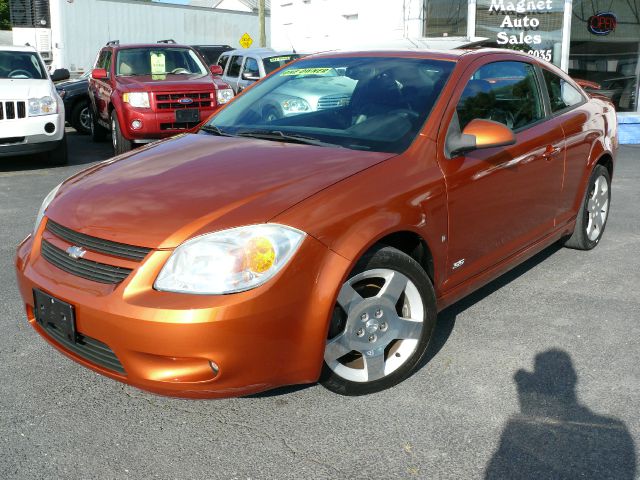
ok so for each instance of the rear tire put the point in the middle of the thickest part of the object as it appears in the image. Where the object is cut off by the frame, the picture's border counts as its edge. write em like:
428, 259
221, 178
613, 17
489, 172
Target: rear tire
383, 321
98, 132
59, 155
120, 143
594, 211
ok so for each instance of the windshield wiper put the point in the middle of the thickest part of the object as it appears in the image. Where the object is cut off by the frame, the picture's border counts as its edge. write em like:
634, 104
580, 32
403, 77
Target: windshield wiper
215, 130
285, 137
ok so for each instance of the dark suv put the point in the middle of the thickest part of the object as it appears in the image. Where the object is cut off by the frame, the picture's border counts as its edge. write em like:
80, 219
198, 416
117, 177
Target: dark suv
145, 92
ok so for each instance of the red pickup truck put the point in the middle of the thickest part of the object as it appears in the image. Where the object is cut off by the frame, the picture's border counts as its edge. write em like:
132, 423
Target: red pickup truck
144, 92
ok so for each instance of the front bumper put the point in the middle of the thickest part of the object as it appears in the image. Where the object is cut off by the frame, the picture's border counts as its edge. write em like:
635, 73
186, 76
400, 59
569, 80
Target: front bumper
157, 125
26, 136
271, 336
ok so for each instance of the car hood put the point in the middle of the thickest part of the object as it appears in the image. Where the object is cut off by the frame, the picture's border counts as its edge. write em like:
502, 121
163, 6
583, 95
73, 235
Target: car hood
160, 196
22, 89
166, 82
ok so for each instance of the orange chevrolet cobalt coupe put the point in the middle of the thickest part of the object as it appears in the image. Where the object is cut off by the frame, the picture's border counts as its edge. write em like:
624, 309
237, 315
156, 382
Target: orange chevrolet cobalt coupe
318, 244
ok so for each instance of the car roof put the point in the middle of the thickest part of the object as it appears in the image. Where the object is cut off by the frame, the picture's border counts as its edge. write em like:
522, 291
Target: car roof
258, 52
15, 48
451, 55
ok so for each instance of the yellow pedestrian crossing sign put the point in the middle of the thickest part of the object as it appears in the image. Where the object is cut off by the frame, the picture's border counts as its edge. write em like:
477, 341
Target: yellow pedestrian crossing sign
246, 40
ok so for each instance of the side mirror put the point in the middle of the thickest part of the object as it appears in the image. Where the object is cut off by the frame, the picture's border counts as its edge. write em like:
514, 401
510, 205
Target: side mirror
98, 73
480, 134
250, 77
216, 69
60, 74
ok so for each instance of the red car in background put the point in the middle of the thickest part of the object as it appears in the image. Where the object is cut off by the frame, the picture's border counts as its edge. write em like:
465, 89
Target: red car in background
144, 92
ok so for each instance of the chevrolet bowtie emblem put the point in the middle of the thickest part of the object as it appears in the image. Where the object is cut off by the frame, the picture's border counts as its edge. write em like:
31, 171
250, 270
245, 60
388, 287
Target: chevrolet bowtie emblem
76, 252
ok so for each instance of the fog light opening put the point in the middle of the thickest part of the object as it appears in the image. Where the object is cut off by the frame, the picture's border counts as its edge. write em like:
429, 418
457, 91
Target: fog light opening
136, 124
49, 128
214, 367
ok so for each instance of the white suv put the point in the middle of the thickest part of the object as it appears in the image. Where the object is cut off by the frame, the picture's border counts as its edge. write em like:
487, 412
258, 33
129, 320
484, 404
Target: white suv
31, 111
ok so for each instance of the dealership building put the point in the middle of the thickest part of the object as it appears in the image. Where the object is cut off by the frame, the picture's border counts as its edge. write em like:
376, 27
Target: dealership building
595, 41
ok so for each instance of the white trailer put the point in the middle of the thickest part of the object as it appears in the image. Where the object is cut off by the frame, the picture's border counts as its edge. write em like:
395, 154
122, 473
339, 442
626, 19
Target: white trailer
77, 29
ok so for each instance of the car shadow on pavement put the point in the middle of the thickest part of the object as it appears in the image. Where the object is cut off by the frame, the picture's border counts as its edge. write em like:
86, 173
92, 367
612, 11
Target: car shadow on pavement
554, 436
82, 151
447, 317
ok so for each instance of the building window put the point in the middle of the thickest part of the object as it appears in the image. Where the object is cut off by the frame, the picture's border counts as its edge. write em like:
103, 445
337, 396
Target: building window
605, 47
445, 18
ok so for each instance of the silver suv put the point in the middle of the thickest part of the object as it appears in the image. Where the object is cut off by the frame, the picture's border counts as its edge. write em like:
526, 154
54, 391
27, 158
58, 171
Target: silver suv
243, 67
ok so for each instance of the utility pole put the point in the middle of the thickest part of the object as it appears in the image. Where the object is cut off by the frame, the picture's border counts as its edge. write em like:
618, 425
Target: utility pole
263, 35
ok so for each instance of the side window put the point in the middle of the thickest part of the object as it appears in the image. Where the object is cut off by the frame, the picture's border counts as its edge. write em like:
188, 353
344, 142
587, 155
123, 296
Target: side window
251, 67
222, 61
101, 58
234, 66
107, 61
561, 94
505, 92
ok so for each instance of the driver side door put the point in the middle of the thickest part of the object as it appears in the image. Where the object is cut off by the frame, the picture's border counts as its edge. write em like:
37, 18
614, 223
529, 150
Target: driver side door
500, 199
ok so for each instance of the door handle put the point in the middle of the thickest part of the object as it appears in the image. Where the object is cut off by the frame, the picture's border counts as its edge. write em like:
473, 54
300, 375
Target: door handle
550, 152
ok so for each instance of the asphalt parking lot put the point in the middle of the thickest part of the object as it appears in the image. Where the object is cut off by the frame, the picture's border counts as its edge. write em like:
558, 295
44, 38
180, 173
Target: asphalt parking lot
536, 375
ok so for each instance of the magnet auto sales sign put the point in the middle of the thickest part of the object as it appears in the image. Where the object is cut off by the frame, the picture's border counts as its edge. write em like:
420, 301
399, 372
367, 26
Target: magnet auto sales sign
532, 26
602, 23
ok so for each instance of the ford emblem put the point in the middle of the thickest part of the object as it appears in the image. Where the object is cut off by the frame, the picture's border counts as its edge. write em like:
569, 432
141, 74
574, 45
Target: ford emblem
602, 23
185, 101
76, 252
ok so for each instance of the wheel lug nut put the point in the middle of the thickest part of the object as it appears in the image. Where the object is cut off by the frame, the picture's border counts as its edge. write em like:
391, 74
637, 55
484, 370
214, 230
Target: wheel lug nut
372, 338
360, 332
378, 313
364, 317
383, 327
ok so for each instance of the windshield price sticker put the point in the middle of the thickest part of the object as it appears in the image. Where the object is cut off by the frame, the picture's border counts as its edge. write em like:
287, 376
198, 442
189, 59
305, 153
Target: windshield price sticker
279, 59
306, 71
157, 64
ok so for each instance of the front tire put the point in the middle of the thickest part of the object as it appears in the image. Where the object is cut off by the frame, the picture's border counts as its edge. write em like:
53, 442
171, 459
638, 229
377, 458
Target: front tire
98, 132
81, 117
120, 143
382, 323
594, 211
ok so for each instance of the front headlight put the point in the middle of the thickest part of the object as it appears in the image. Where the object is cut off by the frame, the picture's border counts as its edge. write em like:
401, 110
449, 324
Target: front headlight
224, 95
42, 106
136, 99
43, 208
295, 105
229, 261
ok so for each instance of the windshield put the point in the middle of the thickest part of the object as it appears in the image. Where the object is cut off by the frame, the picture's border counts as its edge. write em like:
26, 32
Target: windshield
274, 63
366, 103
21, 65
158, 61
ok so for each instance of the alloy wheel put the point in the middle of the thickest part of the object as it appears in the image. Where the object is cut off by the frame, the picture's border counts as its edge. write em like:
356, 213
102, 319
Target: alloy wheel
597, 208
384, 320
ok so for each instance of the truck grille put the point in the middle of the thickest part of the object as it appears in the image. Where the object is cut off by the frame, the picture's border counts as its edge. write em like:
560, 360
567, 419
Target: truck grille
172, 101
333, 101
95, 271
12, 110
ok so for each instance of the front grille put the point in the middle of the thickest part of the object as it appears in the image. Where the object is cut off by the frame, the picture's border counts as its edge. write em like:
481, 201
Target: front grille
97, 272
88, 348
10, 110
97, 244
333, 101
178, 125
170, 101
11, 140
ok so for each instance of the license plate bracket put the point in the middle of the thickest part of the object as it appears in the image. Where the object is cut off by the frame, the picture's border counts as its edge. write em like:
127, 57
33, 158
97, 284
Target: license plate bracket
187, 115
53, 313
